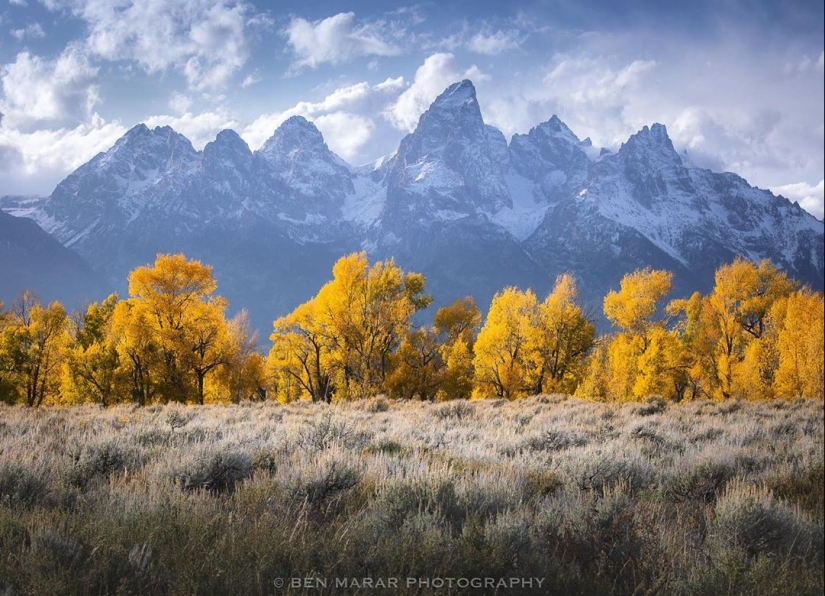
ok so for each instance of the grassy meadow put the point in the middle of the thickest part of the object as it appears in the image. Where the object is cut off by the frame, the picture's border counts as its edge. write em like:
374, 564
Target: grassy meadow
650, 498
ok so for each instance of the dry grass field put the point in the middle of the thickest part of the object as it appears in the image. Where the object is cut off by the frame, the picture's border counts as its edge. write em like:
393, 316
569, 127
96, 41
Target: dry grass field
655, 498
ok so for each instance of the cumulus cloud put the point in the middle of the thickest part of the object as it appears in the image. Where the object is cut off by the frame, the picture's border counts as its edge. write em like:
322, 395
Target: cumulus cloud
810, 197
345, 132
346, 118
204, 40
48, 93
733, 105
198, 128
336, 39
437, 73
33, 31
34, 162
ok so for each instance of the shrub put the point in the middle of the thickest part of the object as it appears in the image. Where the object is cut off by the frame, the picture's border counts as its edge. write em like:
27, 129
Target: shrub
215, 470
378, 404
751, 519
265, 460
327, 482
103, 460
538, 484
599, 469
456, 410
327, 430
21, 486
553, 440
399, 500
701, 484
653, 405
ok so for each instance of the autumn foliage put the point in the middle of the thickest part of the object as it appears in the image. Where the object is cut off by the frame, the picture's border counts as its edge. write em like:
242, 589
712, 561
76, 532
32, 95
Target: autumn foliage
169, 341
756, 335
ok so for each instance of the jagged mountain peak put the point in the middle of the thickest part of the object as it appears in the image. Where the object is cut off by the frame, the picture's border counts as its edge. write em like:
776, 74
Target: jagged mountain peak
227, 142
228, 136
456, 107
456, 95
159, 143
297, 139
556, 128
452, 161
652, 138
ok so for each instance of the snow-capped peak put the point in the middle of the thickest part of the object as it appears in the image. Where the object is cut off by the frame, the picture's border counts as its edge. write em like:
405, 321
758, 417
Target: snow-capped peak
653, 138
295, 134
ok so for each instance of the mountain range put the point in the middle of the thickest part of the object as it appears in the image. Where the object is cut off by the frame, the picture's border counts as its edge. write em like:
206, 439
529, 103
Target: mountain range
455, 201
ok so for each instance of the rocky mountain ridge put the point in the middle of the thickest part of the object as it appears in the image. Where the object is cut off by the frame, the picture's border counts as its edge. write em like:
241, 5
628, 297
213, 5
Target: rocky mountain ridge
455, 201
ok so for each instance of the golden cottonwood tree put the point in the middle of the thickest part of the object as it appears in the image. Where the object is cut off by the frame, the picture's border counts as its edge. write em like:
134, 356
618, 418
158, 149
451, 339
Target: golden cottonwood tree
138, 350
560, 340
342, 342
457, 325
640, 357
31, 345
91, 368
243, 377
436, 362
729, 335
527, 347
172, 330
501, 351
800, 327
418, 366
302, 353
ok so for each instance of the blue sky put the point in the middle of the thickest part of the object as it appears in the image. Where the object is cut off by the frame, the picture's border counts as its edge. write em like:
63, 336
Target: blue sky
739, 85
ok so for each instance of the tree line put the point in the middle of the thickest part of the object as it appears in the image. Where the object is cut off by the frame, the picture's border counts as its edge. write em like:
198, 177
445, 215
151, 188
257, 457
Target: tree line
756, 335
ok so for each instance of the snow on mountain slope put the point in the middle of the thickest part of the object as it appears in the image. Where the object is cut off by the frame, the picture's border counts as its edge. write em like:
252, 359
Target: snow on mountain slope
455, 201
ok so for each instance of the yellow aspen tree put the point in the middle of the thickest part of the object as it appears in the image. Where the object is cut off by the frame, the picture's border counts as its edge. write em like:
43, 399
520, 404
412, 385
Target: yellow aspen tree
369, 310
560, 340
742, 297
800, 322
176, 297
302, 346
243, 377
91, 369
32, 341
419, 366
138, 350
595, 383
501, 350
458, 376
632, 372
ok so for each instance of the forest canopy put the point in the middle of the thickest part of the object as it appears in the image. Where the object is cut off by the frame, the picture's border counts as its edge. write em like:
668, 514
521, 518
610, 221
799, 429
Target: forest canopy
756, 335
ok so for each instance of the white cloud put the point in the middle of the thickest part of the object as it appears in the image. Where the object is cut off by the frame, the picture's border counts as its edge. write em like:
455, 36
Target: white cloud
493, 44
391, 84
810, 197
437, 73
205, 40
345, 133
198, 128
250, 79
346, 118
180, 103
34, 162
33, 31
18, 2
346, 99
57, 93
336, 39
